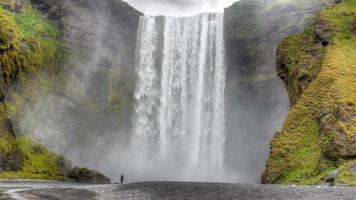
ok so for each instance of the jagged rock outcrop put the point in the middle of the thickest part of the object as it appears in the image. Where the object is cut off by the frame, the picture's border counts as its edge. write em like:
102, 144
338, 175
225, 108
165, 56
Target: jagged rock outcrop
253, 29
319, 134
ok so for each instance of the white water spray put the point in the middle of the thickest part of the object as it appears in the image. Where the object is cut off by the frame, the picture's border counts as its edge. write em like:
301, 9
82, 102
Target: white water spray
179, 122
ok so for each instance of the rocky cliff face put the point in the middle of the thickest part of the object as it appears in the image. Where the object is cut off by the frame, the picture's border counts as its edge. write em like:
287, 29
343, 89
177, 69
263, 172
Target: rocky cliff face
254, 27
319, 134
62, 61
256, 98
28, 43
92, 92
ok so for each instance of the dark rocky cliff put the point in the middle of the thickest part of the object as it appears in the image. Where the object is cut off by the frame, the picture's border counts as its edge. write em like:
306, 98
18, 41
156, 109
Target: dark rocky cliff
256, 97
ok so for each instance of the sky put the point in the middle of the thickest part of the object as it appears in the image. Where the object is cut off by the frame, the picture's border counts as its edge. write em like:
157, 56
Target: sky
179, 7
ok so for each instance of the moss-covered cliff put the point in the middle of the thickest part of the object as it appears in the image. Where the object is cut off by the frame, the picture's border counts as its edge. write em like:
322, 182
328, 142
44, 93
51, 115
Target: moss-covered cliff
255, 96
62, 81
88, 112
319, 134
29, 44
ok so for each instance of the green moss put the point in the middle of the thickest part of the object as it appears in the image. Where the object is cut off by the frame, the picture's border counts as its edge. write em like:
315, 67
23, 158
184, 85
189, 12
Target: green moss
31, 24
18, 55
300, 57
319, 134
33, 52
39, 163
8, 30
347, 174
299, 152
5, 146
29, 50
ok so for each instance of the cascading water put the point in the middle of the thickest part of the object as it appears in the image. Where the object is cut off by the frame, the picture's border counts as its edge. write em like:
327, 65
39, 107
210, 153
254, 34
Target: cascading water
179, 122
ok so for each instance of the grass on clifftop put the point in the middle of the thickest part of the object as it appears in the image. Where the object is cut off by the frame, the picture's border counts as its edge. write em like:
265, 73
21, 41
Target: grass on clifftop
304, 152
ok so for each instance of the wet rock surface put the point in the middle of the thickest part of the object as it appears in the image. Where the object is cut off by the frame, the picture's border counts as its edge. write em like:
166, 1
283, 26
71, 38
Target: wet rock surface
206, 191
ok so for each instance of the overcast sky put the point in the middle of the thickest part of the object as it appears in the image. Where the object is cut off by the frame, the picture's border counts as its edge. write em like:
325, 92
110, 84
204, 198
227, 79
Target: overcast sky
179, 7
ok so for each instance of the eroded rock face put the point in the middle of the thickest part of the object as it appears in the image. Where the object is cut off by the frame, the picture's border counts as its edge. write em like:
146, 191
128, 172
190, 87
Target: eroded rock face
340, 125
81, 81
319, 132
323, 31
298, 79
94, 94
254, 27
256, 98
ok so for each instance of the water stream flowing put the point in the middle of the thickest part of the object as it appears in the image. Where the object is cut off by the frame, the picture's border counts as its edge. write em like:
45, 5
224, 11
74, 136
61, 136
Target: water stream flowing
179, 119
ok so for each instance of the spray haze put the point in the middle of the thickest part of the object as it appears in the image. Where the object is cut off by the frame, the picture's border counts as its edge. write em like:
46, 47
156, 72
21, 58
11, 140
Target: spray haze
155, 102
179, 111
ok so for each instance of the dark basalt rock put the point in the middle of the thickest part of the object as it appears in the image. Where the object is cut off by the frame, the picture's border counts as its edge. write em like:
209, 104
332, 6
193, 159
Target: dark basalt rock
84, 175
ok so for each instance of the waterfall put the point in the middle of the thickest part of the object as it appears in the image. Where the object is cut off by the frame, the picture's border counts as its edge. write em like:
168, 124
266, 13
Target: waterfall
179, 119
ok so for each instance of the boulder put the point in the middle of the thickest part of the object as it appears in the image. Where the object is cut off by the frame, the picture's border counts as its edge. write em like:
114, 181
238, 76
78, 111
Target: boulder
84, 175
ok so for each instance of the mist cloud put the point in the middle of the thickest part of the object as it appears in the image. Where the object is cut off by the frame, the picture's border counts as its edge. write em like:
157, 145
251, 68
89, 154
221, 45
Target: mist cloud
179, 7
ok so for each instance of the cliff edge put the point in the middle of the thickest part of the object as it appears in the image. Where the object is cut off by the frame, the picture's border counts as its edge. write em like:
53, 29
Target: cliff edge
319, 134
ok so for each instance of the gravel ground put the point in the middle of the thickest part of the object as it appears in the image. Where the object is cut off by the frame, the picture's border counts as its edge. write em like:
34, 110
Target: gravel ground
191, 191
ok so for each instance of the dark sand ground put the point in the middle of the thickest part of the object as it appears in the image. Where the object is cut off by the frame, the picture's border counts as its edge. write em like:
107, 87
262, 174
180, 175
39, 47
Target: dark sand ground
190, 191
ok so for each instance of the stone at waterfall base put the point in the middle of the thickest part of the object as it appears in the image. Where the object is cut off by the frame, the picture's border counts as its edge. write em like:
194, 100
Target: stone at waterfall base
84, 175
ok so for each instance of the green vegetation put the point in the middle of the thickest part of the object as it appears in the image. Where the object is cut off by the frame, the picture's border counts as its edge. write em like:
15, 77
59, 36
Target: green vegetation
39, 162
319, 70
32, 25
348, 173
300, 58
29, 50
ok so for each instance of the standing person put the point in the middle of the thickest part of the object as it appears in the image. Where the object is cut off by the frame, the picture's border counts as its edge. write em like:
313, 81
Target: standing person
122, 179
332, 178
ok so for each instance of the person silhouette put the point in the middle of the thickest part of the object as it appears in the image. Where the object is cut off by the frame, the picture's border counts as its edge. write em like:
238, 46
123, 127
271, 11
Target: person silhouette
122, 179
